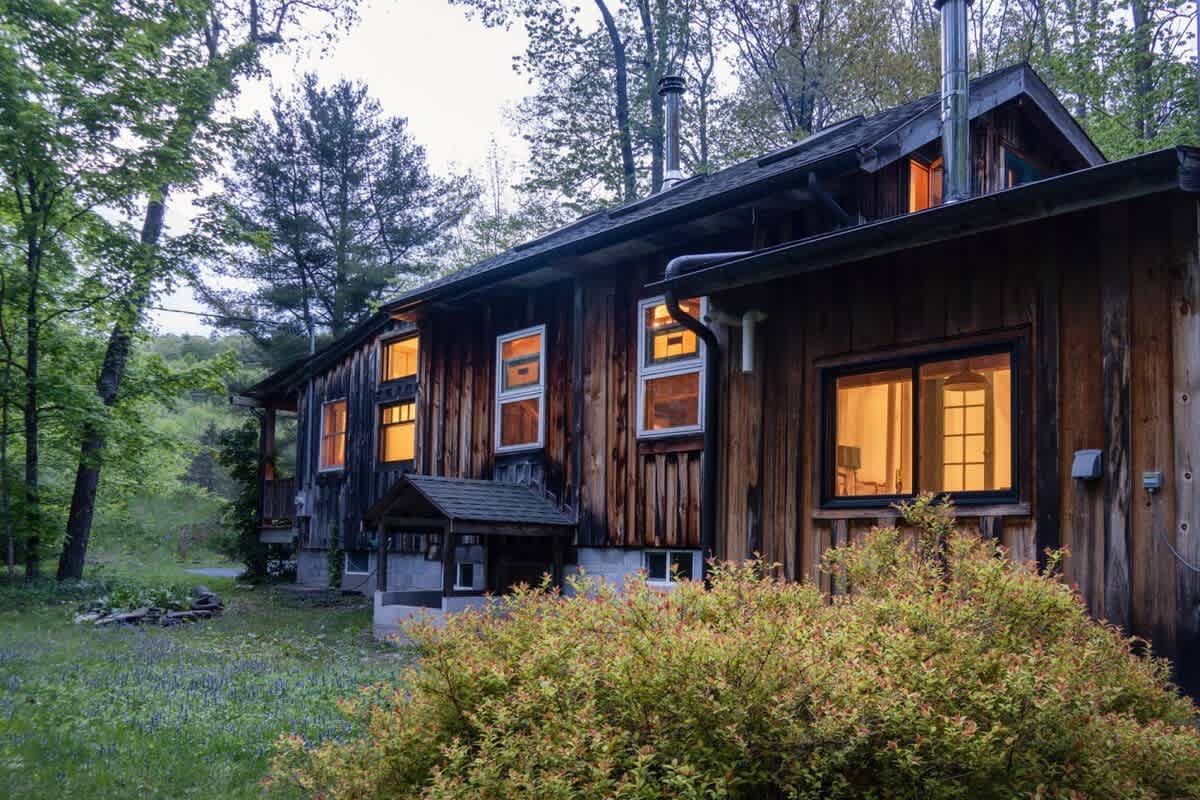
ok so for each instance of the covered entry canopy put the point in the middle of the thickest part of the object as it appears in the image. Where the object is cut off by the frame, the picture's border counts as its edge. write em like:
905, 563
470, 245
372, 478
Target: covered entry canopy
467, 506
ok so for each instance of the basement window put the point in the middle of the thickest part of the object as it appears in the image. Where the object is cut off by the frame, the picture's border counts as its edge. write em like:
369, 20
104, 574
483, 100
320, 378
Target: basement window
942, 424
520, 389
669, 566
333, 435
924, 184
670, 370
397, 432
399, 359
357, 563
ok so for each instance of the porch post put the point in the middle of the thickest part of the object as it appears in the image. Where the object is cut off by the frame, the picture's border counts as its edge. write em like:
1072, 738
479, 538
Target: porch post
381, 565
447, 561
559, 545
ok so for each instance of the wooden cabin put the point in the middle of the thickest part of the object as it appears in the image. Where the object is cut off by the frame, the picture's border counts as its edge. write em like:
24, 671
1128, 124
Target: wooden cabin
1030, 350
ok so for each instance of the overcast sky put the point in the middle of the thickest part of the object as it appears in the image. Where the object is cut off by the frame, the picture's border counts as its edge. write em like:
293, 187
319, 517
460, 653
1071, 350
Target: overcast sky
423, 59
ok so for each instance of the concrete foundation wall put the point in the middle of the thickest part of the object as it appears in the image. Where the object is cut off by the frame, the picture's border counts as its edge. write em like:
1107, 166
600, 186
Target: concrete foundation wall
312, 568
413, 573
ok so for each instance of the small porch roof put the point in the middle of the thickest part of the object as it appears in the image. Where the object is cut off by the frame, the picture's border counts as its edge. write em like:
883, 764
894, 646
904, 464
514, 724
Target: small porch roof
469, 506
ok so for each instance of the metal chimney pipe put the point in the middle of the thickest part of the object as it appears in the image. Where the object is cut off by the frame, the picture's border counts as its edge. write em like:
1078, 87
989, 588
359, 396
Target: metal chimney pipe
670, 87
956, 126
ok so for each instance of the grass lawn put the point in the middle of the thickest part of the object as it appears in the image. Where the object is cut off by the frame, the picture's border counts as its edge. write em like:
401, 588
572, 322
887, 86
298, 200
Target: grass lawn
190, 711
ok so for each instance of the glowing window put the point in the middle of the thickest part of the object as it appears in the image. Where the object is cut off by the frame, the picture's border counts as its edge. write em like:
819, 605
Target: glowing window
397, 432
924, 184
399, 359
520, 389
670, 370
333, 435
943, 425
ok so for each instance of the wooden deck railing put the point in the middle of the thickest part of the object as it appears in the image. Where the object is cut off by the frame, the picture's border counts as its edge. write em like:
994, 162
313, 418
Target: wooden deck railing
279, 499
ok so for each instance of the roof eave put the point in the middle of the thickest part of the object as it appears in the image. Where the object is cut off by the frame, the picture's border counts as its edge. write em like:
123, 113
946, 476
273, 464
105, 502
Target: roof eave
832, 162
1162, 170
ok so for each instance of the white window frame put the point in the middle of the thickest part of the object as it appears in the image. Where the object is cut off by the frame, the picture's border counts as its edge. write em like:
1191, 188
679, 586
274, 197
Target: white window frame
345, 437
524, 393
669, 580
347, 571
682, 367
459, 586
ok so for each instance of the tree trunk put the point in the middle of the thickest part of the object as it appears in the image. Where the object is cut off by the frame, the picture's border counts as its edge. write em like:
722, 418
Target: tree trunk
624, 136
1142, 62
652, 67
108, 385
33, 508
5, 506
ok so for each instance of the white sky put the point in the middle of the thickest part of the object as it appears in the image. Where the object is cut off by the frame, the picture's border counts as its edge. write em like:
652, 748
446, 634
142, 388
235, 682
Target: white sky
422, 59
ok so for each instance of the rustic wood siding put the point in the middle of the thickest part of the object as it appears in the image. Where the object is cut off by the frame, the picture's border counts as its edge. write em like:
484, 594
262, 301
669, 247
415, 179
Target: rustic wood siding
339, 497
1106, 303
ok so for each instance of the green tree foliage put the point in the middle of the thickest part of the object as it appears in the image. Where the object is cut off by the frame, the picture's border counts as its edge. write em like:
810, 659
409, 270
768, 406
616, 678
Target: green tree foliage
239, 455
947, 672
330, 206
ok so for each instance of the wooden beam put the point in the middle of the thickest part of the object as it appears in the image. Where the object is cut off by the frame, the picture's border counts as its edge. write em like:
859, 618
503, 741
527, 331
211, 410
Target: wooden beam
1114, 277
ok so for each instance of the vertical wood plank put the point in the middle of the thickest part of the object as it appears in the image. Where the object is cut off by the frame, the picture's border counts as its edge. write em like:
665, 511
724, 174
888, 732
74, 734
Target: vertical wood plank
1047, 489
1185, 409
1114, 273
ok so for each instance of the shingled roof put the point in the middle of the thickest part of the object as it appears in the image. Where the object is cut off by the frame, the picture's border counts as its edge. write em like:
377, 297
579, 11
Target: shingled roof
468, 500
855, 139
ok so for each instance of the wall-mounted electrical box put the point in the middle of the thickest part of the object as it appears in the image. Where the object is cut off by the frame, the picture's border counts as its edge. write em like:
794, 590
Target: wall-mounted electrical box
1088, 465
1152, 481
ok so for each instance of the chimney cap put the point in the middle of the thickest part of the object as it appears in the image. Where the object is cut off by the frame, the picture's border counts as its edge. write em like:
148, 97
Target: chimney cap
669, 84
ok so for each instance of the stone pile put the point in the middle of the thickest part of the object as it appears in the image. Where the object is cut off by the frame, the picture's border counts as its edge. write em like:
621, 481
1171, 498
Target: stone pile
205, 604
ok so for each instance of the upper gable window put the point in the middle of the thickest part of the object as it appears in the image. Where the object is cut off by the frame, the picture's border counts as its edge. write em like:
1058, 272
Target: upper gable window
670, 368
520, 389
924, 184
399, 359
931, 424
1019, 169
333, 435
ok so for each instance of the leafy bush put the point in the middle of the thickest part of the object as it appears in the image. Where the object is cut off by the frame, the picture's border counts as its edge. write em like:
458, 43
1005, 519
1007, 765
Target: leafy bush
128, 596
946, 673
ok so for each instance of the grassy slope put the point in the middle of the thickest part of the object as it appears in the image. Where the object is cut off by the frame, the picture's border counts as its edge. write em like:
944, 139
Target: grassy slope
172, 713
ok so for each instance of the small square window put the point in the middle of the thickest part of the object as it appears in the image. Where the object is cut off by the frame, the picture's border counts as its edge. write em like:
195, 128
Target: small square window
358, 562
399, 359
669, 566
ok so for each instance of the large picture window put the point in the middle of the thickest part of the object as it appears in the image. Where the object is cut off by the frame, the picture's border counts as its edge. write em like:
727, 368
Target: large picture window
942, 424
397, 428
333, 435
520, 389
670, 369
399, 359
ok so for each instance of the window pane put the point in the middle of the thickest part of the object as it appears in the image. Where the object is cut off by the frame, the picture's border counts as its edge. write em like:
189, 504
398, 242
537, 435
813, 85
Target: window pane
666, 339
672, 401
972, 399
656, 566
519, 422
521, 362
400, 359
874, 434
918, 186
466, 574
681, 566
397, 433
359, 561
333, 435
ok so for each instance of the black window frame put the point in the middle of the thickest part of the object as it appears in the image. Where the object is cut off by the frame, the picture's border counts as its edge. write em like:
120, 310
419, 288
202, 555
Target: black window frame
384, 344
381, 428
1015, 347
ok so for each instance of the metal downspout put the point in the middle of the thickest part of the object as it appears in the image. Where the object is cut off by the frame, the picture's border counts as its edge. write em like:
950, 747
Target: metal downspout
712, 382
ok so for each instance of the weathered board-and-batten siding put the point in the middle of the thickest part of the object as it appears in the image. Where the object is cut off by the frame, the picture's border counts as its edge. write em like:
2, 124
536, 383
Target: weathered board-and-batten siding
339, 497
1106, 304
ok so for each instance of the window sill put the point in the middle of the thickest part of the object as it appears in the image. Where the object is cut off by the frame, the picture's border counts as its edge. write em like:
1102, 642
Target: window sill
963, 510
672, 443
519, 448
391, 466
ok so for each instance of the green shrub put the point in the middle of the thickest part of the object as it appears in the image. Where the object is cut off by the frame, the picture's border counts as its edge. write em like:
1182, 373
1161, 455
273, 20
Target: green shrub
946, 673
128, 596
